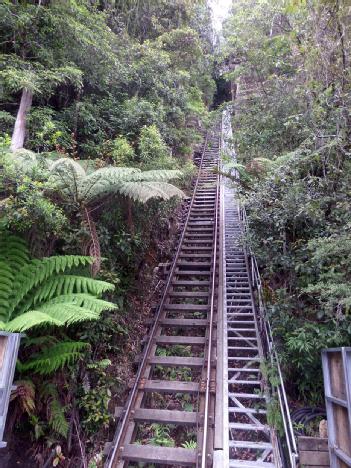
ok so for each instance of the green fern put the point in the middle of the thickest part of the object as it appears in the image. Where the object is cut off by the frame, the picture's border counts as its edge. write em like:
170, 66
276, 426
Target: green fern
36, 292
55, 357
57, 419
56, 411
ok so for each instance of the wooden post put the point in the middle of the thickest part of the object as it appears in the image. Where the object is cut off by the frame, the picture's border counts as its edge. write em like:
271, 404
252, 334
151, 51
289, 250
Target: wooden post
313, 452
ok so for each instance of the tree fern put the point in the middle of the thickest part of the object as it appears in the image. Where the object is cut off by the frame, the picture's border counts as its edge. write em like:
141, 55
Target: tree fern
37, 292
84, 188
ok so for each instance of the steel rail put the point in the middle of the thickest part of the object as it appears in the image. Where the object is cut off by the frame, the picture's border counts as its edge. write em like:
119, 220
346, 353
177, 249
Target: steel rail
212, 307
131, 400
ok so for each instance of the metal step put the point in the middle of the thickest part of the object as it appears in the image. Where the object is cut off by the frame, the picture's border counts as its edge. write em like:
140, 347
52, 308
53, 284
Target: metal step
250, 445
247, 410
248, 427
248, 396
250, 464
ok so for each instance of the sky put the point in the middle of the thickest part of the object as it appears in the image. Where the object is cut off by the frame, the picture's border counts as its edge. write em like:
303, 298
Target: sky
220, 9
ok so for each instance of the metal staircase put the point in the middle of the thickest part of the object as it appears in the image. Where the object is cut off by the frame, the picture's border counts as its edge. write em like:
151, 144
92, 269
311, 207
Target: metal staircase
250, 441
249, 355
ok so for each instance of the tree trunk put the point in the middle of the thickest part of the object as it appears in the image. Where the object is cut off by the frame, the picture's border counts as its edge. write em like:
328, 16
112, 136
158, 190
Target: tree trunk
19, 131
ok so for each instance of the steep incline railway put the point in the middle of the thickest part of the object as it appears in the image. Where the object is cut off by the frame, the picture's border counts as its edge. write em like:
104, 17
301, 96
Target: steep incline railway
203, 380
181, 338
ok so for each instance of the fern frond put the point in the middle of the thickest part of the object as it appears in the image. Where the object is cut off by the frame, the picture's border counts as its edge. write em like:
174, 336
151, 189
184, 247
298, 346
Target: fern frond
56, 357
158, 175
30, 319
104, 181
27, 287
13, 251
57, 418
68, 166
69, 284
68, 313
41, 341
84, 300
143, 191
39, 271
6, 289
25, 393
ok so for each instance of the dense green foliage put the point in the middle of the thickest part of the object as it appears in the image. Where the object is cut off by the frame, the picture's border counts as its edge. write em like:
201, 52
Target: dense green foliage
292, 132
92, 79
101, 105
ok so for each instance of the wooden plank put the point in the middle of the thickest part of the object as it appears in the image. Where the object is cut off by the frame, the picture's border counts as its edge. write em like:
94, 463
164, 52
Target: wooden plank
340, 413
192, 273
189, 294
192, 255
190, 283
313, 443
170, 386
185, 340
176, 361
195, 307
183, 323
165, 455
184, 263
184, 418
308, 457
204, 249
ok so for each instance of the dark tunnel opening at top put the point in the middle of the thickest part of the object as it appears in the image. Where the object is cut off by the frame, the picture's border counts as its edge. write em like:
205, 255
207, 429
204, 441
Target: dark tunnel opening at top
223, 92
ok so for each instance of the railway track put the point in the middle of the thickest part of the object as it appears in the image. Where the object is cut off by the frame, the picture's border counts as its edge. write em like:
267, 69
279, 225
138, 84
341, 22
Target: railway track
202, 393
175, 384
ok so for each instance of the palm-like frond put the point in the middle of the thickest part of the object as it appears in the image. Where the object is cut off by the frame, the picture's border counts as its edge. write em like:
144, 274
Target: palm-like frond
13, 250
57, 419
70, 177
143, 191
40, 292
104, 181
